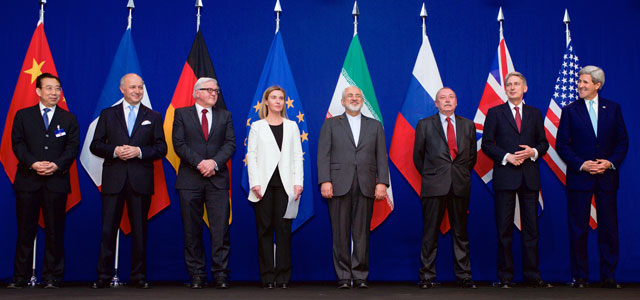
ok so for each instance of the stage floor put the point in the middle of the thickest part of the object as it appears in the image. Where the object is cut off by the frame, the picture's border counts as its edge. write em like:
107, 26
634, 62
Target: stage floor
321, 290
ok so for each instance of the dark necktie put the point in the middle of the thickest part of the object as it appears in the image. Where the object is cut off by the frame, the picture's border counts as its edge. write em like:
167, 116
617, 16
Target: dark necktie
451, 139
205, 124
518, 118
45, 117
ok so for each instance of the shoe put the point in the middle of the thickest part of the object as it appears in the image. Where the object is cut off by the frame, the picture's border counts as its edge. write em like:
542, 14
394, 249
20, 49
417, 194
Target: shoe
539, 283
196, 283
360, 284
343, 285
268, 285
580, 283
141, 284
101, 284
52, 284
611, 283
17, 284
425, 284
222, 284
507, 284
467, 283
283, 285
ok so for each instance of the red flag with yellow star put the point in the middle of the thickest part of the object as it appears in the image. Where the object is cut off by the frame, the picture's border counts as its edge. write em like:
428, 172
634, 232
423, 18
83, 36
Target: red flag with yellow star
37, 61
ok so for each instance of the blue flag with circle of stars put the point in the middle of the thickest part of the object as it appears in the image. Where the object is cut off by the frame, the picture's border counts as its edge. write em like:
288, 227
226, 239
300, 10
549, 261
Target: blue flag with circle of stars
276, 71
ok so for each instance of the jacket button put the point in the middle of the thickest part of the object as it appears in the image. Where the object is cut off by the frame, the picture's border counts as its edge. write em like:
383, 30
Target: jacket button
46, 135
46, 147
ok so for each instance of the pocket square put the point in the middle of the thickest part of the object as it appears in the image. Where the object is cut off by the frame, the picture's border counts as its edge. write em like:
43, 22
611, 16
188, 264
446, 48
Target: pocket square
145, 122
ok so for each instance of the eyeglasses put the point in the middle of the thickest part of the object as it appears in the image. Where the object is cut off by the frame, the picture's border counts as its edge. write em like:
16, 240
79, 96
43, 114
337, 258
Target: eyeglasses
211, 91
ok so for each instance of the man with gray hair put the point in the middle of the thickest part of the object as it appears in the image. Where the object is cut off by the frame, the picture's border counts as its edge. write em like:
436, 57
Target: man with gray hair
204, 140
592, 140
514, 139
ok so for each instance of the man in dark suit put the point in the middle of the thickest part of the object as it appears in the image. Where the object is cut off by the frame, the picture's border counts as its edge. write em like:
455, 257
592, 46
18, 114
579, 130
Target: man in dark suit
592, 140
204, 140
444, 154
352, 171
129, 136
514, 139
45, 141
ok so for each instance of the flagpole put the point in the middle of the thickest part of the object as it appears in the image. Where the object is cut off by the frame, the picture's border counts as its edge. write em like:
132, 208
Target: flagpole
42, 3
566, 21
198, 7
355, 12
423, 14
278, 10
500, 19
130, 6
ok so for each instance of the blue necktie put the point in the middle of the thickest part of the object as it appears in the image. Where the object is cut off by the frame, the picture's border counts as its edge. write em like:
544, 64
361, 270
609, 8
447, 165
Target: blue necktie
131, 119
45, 117
593, 117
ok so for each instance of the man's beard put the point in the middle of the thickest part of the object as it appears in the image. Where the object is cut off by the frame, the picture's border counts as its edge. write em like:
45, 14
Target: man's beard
353, 108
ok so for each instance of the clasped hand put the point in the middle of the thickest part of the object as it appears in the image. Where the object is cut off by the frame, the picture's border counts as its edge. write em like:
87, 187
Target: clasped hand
519, 157
126, 152
44, 168
207, 167
597, 166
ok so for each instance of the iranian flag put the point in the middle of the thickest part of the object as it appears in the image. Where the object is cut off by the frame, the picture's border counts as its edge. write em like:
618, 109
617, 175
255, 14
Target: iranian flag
356, 73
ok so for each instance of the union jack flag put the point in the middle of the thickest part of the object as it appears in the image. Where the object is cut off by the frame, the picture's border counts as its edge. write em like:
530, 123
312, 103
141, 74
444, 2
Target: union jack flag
565, 91
494, 95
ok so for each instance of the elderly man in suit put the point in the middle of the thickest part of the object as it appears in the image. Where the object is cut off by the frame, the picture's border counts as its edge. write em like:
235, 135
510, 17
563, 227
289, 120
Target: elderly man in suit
204, 140
592, 140
129, 137
45, 141
444, 154
352, 172
514, 139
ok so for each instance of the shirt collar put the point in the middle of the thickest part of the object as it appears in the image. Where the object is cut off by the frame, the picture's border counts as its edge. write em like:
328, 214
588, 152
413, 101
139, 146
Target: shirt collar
126, 105
200, 108
42, 107
511, 106
356, 118
443, 118
595, 101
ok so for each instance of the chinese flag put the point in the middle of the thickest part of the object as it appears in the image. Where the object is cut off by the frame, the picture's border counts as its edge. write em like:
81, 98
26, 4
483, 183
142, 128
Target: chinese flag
37, 61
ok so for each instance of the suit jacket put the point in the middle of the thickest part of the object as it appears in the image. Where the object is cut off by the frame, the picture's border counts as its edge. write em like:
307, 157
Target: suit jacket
501, 136
31, 142
192, 148
339, 159
263, 156
148, 134
576, 142
433, 161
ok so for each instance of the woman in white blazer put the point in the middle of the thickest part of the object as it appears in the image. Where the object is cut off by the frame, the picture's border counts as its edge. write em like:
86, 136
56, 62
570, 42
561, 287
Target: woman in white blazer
274, 163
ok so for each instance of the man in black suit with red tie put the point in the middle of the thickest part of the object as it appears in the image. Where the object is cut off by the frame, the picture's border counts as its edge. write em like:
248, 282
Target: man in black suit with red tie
444, 154
203, 138
45, 141
129, 136
514, 139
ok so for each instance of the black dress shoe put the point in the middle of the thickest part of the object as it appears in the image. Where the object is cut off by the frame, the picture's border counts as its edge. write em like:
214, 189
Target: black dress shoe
268, 285
222, 284
52, 284
540, 284
18, 284
361, 284
611, 283
344, 285
196, 283
141, 284
283, 285
425, 284
467, 283
580, 283
507, 284
101, 284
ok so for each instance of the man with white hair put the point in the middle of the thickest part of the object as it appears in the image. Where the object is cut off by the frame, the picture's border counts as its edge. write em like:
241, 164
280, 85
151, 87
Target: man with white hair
592, 140
204, 140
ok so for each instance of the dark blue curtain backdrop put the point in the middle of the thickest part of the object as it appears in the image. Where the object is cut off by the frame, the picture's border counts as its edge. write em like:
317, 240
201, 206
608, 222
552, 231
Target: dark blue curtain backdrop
84, 35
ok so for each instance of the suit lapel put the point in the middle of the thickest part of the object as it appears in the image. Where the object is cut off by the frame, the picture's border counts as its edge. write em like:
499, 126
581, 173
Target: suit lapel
460, 132
364, 122
196, 119
345, 123
440, 130
36, 112
584, 116
121, 118
142, 113
506, 110
266, 130
603, 114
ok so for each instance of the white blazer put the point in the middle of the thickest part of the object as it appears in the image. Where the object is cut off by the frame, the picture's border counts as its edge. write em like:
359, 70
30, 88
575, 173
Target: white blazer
263, 156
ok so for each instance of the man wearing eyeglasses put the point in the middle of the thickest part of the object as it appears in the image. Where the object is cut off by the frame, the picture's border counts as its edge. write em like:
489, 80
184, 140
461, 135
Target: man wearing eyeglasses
204, 140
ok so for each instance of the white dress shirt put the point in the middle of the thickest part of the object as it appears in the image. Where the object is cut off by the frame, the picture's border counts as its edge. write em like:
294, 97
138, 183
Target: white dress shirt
209, 117
443, 120
513, 113
126, 109
49, 114
354, 123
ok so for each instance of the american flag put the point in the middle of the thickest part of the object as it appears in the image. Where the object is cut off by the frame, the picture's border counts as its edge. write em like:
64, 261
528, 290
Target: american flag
494, 95
565, 91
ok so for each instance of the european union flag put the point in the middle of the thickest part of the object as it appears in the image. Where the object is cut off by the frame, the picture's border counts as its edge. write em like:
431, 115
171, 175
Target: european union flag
276, 71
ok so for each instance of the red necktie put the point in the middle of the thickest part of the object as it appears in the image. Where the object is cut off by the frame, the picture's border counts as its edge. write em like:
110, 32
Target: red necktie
205, 124
451, 140
518, 118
